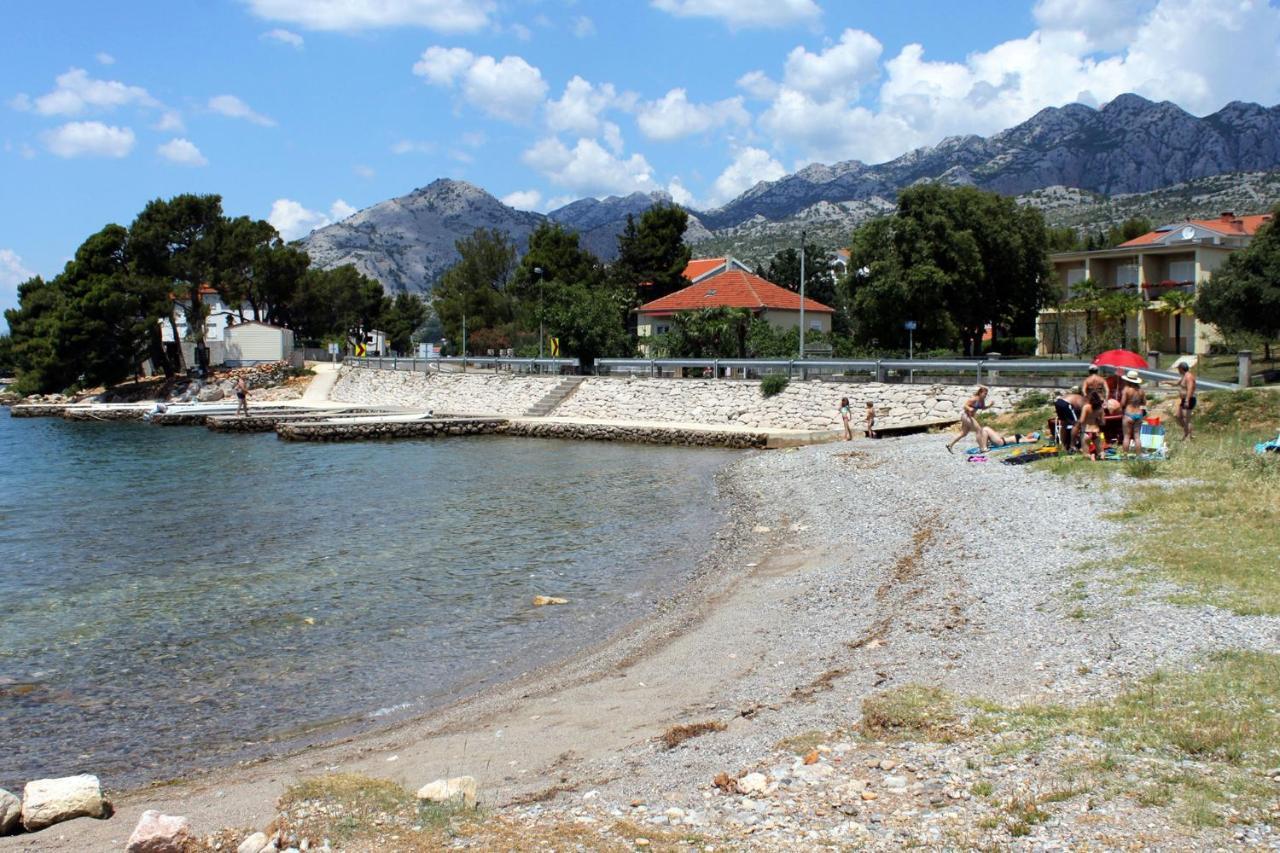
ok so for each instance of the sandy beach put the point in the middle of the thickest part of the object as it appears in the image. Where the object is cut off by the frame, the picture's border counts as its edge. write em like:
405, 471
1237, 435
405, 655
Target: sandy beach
846, 569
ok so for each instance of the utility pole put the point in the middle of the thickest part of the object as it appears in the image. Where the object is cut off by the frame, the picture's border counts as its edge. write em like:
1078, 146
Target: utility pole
801, 294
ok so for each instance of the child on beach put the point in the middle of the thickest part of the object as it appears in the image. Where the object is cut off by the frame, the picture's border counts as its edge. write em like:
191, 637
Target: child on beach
846, 414
871, 420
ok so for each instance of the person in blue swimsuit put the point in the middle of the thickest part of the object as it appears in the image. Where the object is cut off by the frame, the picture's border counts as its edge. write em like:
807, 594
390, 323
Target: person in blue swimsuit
1134, 403
969, 419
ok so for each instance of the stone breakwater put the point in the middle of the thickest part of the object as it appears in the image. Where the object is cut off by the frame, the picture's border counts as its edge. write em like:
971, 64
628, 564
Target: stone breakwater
647, 434
366, 431
811, 405
463, 393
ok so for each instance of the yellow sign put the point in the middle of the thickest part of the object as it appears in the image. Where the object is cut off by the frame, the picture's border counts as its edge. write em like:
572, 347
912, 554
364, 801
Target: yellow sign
555, 347
361, 349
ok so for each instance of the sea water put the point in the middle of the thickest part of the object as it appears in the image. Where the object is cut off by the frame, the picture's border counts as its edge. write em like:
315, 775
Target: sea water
172, 598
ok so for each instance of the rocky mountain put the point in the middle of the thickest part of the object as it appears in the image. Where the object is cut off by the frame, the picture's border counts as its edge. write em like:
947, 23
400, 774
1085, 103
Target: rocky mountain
407, 242
1084, 167
1131, 145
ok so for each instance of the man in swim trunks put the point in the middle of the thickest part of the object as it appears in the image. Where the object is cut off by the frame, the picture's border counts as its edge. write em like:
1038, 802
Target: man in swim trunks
1186, 398
1067, 407
242, 394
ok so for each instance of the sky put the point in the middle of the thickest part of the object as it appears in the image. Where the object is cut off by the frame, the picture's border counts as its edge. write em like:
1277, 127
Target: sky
304, 111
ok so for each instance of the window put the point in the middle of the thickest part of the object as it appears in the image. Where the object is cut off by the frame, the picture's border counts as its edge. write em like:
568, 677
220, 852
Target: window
1127, 274
662, 330
815, 325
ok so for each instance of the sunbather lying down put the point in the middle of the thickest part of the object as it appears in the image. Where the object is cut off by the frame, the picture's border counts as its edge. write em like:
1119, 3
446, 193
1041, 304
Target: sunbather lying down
995, 439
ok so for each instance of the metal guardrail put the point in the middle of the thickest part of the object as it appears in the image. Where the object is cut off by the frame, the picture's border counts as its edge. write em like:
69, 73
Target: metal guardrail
427, 365
877, 369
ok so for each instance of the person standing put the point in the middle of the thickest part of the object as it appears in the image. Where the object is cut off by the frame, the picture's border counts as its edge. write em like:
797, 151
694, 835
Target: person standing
969, 419
1090, 414
871, 420
242, 397
1095, 382
1133, 402
1186, 398
846, 415
1067, 407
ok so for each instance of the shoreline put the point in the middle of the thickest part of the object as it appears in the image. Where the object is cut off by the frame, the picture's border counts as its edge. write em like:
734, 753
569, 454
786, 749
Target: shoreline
843, 570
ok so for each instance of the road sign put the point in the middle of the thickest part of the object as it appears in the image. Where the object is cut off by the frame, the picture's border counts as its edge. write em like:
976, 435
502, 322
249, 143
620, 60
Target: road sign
910, 325
555, 347
361, 349
333, 349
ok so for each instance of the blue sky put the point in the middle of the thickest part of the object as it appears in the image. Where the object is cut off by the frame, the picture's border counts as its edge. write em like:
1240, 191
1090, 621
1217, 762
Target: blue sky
303, 111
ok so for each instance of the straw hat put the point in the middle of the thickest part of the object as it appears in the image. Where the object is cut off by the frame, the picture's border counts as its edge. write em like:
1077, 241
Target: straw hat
1132, 376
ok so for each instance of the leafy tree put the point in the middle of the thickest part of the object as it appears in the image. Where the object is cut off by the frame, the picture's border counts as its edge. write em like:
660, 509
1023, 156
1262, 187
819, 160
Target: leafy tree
1244, 294
1117, 306
34, 328
401, 317
338, 305
1064, 239
653, 250
8, 366
476, 287
253, 265
1180, 305
175, 242
955, 260
708, 333
819, 272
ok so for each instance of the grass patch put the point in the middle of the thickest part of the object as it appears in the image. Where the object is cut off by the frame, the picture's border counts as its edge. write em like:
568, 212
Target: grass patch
1023, 419
911, 712
677, 735
803, 743
1222, 720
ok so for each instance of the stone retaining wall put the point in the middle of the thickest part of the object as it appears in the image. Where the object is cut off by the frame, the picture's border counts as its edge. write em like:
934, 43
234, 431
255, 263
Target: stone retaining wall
37, 410
638, 434
97, 414
321, 431
457, 393
812, 405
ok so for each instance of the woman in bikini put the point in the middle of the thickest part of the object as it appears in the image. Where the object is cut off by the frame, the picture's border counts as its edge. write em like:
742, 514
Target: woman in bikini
969, 419
1134, 402
1186, 398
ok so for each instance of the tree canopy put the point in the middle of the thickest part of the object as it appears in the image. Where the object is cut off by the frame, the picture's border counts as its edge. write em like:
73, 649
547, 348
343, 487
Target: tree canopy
1244, 294
653, 251
954, 260
476, 287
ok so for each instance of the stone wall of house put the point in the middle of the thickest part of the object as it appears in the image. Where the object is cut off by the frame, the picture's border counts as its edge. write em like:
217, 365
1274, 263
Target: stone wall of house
812, 405
443, 393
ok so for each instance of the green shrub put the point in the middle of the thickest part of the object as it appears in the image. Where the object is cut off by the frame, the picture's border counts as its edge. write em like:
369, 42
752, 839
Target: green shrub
1033, 400
773, 383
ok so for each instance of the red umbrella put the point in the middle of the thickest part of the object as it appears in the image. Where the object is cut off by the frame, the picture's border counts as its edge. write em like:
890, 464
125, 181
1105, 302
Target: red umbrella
1121, 358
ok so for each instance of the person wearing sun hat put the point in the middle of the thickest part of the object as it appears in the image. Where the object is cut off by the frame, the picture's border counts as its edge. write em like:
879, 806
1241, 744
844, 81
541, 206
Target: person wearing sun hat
1133, 400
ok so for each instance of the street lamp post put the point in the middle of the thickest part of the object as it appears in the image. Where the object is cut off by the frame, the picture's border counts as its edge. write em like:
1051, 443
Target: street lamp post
801, 294
541, 336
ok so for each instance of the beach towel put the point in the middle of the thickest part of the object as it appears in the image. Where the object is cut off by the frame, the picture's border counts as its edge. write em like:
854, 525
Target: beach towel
1268, 446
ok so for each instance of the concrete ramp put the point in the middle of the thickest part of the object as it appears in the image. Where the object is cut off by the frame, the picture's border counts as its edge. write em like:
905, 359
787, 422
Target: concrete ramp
322, 383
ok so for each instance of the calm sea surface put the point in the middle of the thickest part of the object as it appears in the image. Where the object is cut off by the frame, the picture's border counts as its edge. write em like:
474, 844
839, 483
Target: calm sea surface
171, 598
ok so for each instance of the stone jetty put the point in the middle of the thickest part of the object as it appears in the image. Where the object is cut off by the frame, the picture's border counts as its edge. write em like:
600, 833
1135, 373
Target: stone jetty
365, 429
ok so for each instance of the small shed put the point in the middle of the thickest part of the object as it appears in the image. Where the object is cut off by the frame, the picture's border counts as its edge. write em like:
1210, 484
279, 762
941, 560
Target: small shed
254, 343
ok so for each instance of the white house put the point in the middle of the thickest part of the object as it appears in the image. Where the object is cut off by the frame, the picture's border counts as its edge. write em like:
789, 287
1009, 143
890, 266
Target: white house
254, 342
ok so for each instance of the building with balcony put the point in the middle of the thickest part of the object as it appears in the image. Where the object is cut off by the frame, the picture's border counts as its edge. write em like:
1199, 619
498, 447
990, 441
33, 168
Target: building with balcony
1176, 257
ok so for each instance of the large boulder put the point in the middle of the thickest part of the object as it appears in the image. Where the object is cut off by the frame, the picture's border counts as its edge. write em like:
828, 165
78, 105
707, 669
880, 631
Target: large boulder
160, 833
459, 789
10, 812
210, 394
49, 801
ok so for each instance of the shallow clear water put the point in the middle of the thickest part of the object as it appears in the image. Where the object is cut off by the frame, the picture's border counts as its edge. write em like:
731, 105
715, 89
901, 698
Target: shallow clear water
171, 598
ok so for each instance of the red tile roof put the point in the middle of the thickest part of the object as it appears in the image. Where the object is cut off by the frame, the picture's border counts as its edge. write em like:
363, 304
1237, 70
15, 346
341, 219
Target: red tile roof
1228, 225
732, 289
702, 266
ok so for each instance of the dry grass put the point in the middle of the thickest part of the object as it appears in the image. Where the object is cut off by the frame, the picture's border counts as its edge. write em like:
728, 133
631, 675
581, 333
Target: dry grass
911, 712
677, 735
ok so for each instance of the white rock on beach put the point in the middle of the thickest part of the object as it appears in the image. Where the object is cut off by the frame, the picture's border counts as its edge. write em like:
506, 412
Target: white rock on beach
10, 812
545, 600
160, 833
446, 790
753, 783
49, 801
253, 844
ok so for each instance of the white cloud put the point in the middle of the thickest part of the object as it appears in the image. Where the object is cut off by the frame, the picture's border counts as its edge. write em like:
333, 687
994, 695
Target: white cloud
841, 69
170, 122
183, 152
12, 273
674, 116
678, 193
509, 89
523, 199
233, 107
745, 13
340, 210
1107, 24
75, 92
284, 37
105, 58
293, 220
447, 16
409, 146
89, 139
920, 102
749, 167
364, 171
579, 109
521, 32
758, 85
589, 168
583, 27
